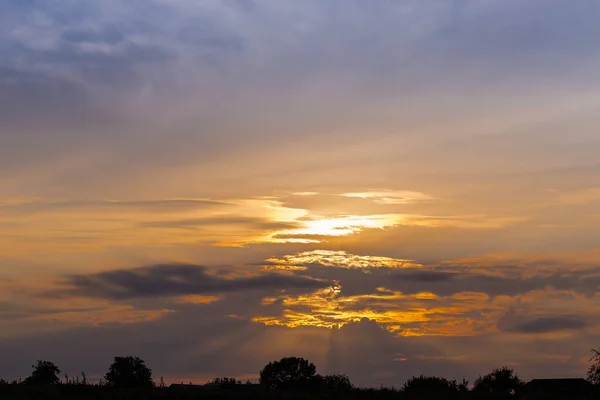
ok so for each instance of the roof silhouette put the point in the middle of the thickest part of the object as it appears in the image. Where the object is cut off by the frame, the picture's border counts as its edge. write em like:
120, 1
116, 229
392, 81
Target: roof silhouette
559, 385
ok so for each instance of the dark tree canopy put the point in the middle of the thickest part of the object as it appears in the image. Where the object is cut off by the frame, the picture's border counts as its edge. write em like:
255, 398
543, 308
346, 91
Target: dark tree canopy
129, 372
593, 372
287, 373
225, 383
44, 373
502, 381
333, 383
430, 387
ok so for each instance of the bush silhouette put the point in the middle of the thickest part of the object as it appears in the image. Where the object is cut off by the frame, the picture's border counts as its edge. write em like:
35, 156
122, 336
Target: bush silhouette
287, 373
593, 373
225, 383
331, 383
129, 372
501, 381
44, 373
429, 387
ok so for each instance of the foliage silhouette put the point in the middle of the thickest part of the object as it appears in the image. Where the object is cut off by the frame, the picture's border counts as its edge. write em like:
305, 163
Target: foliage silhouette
501, 381
130, 379
337, 383
287, 374
225, 383
593, 373
129, 372
425, 387
44, 373
329, 383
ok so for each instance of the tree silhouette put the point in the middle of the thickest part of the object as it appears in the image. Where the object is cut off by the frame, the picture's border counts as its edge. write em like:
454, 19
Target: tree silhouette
225, 383
593, 372
287, 373
337, 383
501, 381
128, 372
44, 373
430, 387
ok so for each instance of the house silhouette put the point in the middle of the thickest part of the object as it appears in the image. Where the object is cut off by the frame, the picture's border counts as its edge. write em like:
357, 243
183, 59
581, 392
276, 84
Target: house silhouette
564, 388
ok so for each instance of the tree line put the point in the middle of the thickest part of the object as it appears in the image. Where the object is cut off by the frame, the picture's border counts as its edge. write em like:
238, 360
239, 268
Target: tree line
296, 375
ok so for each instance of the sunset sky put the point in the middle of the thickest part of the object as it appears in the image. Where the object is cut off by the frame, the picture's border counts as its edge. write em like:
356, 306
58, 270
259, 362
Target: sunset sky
387, 188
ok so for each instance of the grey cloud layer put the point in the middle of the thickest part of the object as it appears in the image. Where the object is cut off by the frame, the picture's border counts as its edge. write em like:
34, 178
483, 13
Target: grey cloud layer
539, 325
66, 49
258, 223
448, 280
157, 206
133, 87
176, 280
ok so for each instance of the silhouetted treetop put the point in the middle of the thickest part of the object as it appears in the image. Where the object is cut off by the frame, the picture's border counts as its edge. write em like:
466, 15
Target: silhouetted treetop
430, 387
333, 383
44, 373
503, 381
129, 372
225, 383
593, 372
287, 373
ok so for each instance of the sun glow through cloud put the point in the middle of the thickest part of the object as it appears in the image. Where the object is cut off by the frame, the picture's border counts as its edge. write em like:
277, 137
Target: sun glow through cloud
338, 259
401, 314
341, 226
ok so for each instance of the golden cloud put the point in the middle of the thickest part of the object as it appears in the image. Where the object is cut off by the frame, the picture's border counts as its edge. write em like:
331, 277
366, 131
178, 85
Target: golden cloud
402, 314
338, 259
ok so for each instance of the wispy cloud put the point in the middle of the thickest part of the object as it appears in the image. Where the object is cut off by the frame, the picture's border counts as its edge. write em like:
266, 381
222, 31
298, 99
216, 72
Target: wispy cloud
391, 196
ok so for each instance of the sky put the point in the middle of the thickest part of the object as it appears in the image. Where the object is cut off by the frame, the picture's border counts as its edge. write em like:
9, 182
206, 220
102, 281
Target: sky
387, 188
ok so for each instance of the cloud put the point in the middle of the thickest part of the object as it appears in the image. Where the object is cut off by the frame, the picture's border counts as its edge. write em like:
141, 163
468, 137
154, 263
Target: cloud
427, 276
391, 196
549, 324
579, 197
339, 259
248, 222
162, 206
170, 280
493, 276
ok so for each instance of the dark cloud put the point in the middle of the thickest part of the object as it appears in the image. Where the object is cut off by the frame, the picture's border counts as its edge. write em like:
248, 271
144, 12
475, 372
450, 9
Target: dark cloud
201, 35
385, 359
141, 206
546, 324
13, 311
108, 35
446, 280
176, 280
426, 276
250, 222
26, 97
203, 342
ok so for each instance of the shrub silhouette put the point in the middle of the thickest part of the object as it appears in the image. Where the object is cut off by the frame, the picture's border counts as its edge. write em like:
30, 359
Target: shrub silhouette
426, 387
225, 383
330, 383
287, 373
129, 372
44, 373
501, 381
593, 373
337, 383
